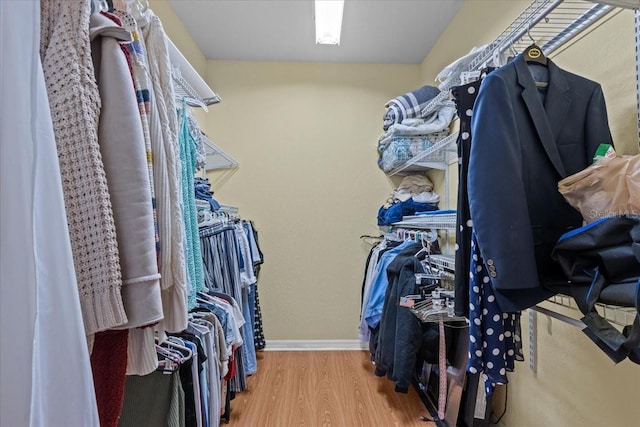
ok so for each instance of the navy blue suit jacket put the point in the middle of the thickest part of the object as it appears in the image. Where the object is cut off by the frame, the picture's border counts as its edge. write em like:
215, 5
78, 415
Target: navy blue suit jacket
521, 148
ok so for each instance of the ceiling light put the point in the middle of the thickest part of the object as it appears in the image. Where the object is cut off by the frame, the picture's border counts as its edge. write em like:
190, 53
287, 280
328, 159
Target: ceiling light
328, 21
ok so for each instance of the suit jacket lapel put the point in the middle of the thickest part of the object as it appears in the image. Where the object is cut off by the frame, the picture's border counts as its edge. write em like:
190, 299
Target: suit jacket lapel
557, 102
537, 111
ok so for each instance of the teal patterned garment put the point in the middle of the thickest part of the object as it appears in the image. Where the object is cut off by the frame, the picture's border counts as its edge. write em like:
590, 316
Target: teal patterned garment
188, 150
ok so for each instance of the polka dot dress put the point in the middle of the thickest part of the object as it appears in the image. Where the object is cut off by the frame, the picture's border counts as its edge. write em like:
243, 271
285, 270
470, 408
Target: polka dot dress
494, 336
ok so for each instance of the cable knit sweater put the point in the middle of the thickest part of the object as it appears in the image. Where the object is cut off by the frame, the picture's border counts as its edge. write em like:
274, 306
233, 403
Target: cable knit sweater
75, 104
168, 190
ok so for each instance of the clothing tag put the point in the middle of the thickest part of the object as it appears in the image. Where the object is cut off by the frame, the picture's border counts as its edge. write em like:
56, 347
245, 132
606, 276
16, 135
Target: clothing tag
406, 302
480, 411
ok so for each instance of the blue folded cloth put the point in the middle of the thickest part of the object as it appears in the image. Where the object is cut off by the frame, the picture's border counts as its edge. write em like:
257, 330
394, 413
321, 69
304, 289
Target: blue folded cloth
394, 213
409, 105
438, 212
202, 188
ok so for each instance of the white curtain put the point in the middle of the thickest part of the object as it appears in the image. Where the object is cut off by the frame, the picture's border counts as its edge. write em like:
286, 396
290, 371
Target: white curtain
44, 362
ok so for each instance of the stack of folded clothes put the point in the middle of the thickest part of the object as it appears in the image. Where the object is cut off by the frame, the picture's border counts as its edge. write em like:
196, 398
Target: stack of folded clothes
414, 194
407, 132
205, 203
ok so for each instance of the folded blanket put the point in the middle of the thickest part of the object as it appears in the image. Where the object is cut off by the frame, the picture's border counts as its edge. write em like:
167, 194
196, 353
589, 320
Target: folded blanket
391, 115
441, 121
408, 105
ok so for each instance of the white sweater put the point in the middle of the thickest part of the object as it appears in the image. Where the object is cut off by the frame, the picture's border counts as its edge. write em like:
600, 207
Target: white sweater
75, 105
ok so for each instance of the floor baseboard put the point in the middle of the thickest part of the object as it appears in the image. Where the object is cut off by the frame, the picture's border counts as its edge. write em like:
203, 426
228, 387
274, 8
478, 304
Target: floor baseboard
315, 345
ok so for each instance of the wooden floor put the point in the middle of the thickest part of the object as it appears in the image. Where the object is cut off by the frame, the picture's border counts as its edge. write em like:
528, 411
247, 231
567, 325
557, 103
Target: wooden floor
323, 388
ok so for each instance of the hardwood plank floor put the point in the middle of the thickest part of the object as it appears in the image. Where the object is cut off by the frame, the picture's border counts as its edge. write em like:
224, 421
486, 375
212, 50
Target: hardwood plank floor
323, 388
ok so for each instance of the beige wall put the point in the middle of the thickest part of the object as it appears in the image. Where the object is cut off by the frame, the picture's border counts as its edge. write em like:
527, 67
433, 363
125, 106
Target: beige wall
305, 136
575, 383
179, 34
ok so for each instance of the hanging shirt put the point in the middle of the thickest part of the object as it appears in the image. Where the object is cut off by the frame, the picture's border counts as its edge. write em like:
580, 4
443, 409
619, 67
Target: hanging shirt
373, 313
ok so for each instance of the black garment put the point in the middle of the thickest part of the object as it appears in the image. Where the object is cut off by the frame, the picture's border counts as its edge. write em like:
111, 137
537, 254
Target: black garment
400, 332
521, 148
186, 378
465, 97
258, 329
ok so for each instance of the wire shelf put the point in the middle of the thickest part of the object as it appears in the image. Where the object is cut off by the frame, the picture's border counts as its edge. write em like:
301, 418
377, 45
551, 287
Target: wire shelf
216, 157
621, 316
431, 107
435, 157
434, 221
444, 262
183, 89
551, 23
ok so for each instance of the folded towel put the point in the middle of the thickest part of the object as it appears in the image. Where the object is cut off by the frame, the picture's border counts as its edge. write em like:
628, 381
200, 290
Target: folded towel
427, 197
409, 105
416, 184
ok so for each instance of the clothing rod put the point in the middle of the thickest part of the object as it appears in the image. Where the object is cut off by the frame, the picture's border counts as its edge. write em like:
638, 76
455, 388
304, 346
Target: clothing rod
560, 317
529, 24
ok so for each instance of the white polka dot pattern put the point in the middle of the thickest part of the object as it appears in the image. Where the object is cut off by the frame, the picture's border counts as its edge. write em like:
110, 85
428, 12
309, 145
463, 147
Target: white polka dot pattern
493, 342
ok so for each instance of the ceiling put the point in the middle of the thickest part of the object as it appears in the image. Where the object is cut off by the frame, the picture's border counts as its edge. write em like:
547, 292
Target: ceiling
373, 31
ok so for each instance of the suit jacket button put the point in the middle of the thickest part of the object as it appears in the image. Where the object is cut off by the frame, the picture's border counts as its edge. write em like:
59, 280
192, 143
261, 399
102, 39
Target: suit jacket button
493, 274
489, 262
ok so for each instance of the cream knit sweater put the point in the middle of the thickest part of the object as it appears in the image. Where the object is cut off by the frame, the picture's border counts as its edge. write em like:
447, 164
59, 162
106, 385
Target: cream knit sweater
75, 104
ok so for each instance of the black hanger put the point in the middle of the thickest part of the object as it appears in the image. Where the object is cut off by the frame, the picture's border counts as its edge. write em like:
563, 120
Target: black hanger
533, 54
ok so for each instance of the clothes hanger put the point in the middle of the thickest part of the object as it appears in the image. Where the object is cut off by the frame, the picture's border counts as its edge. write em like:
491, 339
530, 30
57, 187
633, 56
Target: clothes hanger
178, 344
371, 240
533, 53
169, 354
426, 244
169, 362
98, 6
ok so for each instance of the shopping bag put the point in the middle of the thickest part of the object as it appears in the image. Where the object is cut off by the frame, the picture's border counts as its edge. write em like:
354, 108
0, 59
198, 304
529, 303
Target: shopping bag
610, 187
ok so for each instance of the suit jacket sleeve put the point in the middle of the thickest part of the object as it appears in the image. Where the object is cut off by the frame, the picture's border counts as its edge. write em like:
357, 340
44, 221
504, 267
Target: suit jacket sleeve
597, 123
497, 198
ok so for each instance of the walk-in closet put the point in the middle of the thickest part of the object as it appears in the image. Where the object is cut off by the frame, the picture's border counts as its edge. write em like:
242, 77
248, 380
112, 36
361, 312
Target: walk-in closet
338, 213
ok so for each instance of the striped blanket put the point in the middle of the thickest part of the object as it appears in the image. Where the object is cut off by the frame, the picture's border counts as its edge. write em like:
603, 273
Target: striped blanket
409, 105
